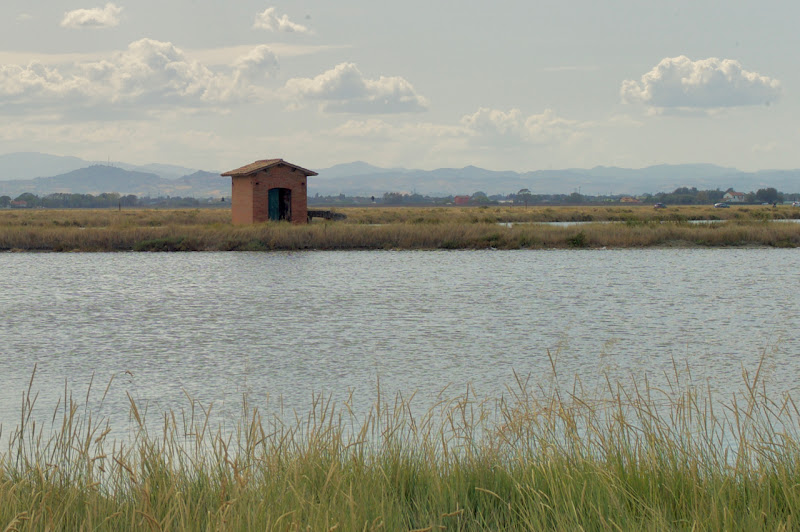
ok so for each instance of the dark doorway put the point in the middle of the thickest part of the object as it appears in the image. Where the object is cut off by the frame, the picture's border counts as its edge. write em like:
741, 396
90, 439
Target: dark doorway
280, 204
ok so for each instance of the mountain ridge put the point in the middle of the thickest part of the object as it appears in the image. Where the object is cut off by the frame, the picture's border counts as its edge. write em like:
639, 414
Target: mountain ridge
364, 179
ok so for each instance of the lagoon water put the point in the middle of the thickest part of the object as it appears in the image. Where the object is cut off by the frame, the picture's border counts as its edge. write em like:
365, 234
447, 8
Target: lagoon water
280, 327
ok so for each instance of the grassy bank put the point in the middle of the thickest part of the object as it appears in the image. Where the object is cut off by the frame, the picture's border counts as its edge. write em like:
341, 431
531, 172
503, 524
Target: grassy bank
543, 456
398, 228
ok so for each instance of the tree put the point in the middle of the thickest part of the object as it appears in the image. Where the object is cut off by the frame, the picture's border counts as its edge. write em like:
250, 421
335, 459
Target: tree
31, 199
480, 198
4, 201
767, 195
392, 198
575, 197
525, 196
130, 200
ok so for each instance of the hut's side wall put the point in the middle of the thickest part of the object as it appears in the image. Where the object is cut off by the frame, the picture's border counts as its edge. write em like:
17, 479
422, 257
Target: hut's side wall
242, 200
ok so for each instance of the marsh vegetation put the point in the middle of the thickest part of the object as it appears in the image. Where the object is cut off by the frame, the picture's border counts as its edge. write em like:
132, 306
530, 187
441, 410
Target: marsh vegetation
546, 454
399, 228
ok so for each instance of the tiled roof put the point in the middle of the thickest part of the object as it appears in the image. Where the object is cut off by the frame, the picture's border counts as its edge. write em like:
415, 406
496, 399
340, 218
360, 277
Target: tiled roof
257, 166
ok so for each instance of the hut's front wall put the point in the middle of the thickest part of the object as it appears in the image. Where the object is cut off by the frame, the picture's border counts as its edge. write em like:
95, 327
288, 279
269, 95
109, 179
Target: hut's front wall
250, 195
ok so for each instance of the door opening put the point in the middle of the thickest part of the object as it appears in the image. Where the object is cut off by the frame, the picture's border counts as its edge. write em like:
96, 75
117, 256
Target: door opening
280, 204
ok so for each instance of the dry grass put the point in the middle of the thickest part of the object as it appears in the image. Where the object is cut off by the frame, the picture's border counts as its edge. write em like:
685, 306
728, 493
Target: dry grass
392, 228
466, 215
542, 456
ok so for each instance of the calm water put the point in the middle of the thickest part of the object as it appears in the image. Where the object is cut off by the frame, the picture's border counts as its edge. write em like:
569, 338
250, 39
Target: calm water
214, 326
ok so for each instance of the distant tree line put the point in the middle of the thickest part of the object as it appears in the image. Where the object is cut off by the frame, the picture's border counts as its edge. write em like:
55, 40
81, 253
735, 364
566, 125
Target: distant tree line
679, 196
61, 200
692, 196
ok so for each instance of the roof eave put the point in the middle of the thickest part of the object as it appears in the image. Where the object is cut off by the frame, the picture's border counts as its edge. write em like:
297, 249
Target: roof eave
240, 173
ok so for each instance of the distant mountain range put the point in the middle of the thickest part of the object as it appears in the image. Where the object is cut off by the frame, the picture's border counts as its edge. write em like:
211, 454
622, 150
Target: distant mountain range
43, 174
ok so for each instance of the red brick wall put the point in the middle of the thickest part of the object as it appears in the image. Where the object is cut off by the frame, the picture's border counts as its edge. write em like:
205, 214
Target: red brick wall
250, 196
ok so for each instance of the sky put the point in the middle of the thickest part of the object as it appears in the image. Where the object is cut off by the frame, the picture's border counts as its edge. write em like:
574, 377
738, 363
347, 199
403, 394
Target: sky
506, 85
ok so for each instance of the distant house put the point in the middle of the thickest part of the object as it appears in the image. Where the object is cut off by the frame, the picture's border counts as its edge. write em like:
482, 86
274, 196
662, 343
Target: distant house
733, 197
21, 204
628, 199
461, 200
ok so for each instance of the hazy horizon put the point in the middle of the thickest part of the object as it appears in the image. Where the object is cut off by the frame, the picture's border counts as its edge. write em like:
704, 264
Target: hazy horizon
44, 173
112, 163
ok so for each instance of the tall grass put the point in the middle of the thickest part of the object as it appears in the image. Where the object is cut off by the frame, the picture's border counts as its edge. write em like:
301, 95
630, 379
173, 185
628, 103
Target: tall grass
442, 228
542, 456
563, 213
335, 236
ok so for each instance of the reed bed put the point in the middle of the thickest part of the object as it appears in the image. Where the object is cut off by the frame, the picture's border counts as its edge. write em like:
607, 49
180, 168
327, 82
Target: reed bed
402, 215
563, 213
440, 228
544, 455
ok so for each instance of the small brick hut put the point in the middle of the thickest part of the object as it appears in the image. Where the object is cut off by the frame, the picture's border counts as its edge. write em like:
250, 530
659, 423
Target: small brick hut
271, 189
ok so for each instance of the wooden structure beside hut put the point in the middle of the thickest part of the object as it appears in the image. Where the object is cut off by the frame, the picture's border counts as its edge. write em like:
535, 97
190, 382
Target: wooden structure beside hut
270, 189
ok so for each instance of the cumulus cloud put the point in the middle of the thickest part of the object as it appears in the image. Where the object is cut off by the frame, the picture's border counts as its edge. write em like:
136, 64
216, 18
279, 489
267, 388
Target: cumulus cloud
268, 20
98, 17
492, 122
149, 72
680, 83
506, 128
344, 89
37, 81
254, 66
24, 17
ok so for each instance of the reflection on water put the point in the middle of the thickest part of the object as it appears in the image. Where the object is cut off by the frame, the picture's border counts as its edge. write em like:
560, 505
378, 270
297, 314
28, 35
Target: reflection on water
284, 325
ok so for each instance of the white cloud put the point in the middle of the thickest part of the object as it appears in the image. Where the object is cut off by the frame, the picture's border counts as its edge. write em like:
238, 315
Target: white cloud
258, 63
548, 127
24, 17
345, 89
268, 20
493, 123
680, 83
37, 81
227, 54
493, 126
98, 17
149, 72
